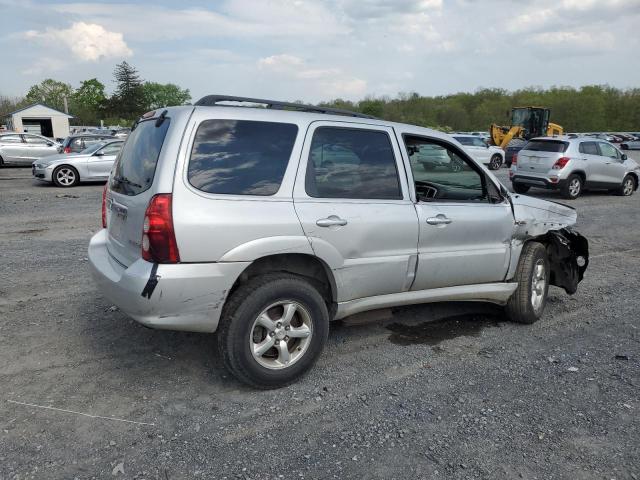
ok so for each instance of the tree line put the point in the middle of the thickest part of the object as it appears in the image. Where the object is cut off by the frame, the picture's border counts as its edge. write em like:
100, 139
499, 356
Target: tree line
591, 108
585, 109
89, 103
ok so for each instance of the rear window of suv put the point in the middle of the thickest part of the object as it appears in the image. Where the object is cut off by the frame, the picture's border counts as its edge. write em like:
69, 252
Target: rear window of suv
136, 165
555, 146
240, 157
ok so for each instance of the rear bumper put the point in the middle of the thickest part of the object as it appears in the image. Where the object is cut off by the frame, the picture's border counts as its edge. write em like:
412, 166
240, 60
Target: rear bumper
188, 297
540, 182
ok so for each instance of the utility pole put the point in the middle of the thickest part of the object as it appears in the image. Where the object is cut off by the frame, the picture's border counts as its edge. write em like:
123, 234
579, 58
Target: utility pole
66, 104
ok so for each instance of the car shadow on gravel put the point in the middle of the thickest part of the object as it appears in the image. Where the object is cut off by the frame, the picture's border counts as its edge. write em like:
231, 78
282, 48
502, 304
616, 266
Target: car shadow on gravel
428, 324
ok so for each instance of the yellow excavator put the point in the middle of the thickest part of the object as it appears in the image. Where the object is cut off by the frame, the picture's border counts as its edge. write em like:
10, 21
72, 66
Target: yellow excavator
526, 123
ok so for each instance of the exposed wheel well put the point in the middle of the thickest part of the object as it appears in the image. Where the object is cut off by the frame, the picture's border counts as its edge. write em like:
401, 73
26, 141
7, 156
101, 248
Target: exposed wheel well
307, 266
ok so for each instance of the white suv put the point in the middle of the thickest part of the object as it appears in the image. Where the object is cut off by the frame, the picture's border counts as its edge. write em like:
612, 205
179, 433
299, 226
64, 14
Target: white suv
481, 151
264, 224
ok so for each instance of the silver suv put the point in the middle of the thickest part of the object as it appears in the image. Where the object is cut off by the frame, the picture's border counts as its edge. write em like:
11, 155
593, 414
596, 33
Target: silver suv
264, 224
571, 165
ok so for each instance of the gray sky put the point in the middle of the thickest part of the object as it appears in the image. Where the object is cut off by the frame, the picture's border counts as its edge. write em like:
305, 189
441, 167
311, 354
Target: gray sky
323, 49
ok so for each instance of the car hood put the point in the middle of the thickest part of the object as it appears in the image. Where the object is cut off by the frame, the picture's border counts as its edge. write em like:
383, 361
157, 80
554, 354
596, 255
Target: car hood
536, 217
60, 158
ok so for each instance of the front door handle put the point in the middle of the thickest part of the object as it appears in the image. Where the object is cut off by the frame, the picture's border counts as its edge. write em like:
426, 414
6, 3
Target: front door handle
331, 221
439, 219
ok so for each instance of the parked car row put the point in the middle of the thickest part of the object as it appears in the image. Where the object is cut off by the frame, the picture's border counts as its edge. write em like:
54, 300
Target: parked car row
91, 164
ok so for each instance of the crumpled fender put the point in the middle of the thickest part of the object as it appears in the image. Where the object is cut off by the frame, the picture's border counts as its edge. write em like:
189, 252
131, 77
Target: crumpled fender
568, 254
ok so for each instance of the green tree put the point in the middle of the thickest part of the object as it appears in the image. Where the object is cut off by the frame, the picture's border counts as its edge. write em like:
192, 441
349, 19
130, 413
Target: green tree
158, 95
89, 102
128, 99
50, 92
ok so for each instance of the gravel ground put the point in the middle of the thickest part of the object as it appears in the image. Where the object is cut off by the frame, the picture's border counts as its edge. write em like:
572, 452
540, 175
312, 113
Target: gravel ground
439, 391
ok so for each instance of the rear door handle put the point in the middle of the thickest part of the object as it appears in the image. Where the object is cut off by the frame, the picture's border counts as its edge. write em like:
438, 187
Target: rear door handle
439, 219
331, 221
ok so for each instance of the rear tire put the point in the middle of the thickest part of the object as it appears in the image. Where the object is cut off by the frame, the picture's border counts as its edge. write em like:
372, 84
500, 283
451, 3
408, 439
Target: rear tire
527, 303
65, 176
520, 188
628, 186
572, 188
262, 346
495, 163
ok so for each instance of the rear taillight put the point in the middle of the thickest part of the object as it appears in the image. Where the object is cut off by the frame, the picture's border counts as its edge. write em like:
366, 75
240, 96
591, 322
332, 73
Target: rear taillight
561, 163
514, 159
67, 149
104, 205
158, 237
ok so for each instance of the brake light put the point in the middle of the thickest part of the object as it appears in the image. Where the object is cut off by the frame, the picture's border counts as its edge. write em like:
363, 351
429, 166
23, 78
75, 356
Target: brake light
158, 237
514, 160
561, 163
67, 149
104, 205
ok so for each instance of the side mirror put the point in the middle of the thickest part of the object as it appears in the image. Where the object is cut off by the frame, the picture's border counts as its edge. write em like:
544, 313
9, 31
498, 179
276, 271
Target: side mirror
624, 157
486, 145
49, 144
98, 154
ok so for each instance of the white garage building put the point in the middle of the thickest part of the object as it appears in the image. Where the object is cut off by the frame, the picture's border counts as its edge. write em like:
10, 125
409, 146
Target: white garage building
40, 119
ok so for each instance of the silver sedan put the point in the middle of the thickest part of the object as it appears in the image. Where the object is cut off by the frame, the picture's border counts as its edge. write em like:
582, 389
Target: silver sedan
24, 148
92, 164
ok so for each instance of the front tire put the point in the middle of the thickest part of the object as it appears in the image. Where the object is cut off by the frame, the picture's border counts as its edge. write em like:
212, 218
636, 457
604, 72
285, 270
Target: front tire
572, 188
65, 176
527, 303
628, 186
272, 330
495, 163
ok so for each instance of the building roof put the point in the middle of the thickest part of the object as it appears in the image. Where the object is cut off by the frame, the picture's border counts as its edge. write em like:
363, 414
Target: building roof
36, 105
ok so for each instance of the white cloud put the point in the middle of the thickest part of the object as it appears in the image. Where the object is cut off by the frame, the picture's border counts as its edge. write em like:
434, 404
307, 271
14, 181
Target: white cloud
87, 41
575, 43
330, 81
280, 62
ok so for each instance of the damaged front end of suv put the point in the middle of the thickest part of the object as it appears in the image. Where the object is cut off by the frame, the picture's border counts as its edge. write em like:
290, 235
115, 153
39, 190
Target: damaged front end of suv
550, 223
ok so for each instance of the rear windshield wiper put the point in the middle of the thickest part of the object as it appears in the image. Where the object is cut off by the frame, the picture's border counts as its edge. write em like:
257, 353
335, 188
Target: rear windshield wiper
126, 181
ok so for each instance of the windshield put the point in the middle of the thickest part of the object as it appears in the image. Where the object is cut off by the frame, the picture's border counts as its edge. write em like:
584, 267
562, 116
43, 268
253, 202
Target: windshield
547, 146
92, 148
520, 117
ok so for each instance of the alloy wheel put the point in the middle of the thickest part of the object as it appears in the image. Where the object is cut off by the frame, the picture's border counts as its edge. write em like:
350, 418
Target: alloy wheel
627, 188
538, 285
66, 176
281, 334
575, 187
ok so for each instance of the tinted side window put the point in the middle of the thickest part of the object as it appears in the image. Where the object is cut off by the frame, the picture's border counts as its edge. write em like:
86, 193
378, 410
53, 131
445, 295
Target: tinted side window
111, 149
607, 150
465, 140
10, 139
32, 139
241, 157
351, 163
441, 174
589, 148
136, 164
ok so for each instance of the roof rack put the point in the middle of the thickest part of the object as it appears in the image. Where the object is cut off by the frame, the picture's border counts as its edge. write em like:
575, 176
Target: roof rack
213, 100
